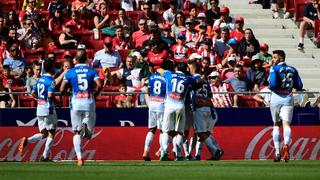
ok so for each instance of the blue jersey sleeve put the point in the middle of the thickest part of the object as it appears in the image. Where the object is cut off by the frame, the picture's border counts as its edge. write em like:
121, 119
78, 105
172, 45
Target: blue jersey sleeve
272, 78
297, 81
67, 76
51, 87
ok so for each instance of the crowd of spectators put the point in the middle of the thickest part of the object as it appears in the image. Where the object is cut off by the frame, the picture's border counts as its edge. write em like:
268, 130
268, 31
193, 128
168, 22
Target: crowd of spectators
147, 31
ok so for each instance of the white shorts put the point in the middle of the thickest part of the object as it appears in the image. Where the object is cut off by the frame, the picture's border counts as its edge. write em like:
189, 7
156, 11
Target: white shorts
281, 112
155, 119
189, 119
174, 119
203, 121
80, 117
49, 122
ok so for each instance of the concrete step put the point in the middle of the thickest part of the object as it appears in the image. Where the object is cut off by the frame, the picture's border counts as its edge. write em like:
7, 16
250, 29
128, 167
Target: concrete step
311, 84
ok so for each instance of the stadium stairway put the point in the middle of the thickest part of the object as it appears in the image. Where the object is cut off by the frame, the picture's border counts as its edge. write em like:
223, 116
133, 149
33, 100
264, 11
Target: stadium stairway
280, 34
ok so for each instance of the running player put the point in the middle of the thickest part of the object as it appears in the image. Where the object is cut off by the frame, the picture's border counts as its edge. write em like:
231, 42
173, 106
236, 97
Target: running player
82, 78
156, 96
283, 79
46, 113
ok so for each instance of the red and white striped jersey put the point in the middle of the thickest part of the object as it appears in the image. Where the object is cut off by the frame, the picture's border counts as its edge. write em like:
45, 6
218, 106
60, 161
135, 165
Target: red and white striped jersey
180, 52
223, 100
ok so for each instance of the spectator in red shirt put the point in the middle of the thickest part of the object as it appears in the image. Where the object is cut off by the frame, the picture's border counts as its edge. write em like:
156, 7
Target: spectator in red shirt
120, 42
56, 22
219, 100
123, 100
207, 51
140, 36
8, 80
180, 51
75, 21
238, 33
155, 56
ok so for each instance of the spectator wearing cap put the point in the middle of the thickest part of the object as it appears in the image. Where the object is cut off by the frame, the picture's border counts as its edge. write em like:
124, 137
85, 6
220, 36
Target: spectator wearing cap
195, 57
156, 55
193, 14
155, 36
232, 51
56, 22
166, 35
202, 20
217, 86
180, 51
169, 14
221, 45
256, 74
249, 45
75, 20
208, 52
178, 24
191, 34
16, 63
310, 14
213, 13
67, 39
125, 22
29, 36
107, 57
138, 37
225, 20
239, 83
238, 32
265, 56
120, 42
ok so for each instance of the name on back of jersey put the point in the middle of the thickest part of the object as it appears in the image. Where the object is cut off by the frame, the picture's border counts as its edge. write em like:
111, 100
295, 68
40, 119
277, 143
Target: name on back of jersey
80, 70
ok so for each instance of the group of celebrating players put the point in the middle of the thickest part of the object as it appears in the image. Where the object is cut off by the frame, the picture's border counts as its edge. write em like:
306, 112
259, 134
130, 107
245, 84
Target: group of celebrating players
179, 98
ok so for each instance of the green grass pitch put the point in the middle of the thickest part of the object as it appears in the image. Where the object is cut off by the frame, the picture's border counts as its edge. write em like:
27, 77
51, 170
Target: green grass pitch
233, 170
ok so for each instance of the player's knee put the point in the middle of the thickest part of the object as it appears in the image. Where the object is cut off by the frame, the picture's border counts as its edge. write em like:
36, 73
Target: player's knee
153, 130
202, 136
276, 123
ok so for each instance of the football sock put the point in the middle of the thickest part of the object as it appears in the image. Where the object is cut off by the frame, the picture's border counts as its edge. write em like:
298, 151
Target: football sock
214, 142
179, 142
192, 144
148, 141
174, 143
47, 147
276, 138
186, 146
160, 139
77, 145
35, 138
286, 134
301, 40
212, 148
165, 141
198, 148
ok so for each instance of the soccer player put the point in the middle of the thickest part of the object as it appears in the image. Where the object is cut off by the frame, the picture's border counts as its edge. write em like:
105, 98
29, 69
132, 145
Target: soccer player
46, 113
203, 121
177, 84
283, 79
156, 97
82, 79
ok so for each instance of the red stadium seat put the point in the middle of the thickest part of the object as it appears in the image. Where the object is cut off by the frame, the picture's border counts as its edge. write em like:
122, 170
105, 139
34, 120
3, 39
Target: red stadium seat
316, 28
104, 102
9, 4
32, 55
124, 54
289, 5
96, 45
247, 101
110, 89
26, 101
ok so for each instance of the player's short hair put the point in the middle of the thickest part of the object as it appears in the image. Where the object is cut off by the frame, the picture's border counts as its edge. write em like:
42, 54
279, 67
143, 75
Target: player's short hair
48, 65
183, 67
7, 67
239, 66
195, 65
35, 63
168, 65
281, 53
81, 56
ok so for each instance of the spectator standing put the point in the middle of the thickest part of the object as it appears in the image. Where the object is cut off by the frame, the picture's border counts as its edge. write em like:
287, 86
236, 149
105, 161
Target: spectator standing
221, 45
202, 20
141, 35
167, 37
213, 13
180, 51
193, 14
310, 14
191, 34
107, 57
156, 55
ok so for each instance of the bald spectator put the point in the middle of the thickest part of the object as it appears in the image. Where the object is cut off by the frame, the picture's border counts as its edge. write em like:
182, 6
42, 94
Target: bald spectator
107, 57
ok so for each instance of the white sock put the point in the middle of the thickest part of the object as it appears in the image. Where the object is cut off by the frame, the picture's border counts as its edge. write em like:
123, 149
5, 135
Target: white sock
165, 142
186, 147
174, 143
212, 148
276, 139
301, 40
192, 144
286, 134
160, 139
47, 147
148, 141
198, 148
179, 144
35, 138
77, 145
